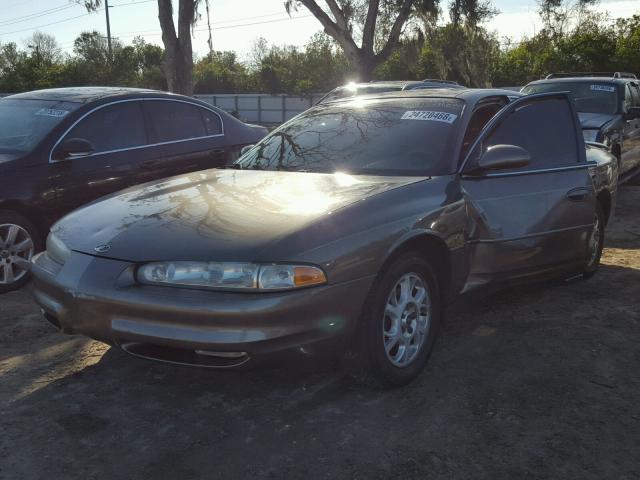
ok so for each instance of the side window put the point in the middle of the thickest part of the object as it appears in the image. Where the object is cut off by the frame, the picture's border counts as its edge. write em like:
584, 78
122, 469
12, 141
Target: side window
545, 128
113, 127
479, 119
635, 95
173, 121
628, 99
212, 122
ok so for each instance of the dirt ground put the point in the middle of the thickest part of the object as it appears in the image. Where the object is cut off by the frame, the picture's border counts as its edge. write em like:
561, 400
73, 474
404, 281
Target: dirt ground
540, 382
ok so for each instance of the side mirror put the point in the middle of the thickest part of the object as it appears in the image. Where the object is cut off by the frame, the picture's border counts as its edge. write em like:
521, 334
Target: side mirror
632, 113
503, 157
245, 149
73, 148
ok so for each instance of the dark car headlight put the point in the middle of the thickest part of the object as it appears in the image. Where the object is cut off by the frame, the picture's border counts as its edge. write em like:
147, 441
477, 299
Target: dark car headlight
590, 135
231, 275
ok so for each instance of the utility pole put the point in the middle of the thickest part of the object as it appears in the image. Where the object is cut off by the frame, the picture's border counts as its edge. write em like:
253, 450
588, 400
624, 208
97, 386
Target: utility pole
106, 11
37, 49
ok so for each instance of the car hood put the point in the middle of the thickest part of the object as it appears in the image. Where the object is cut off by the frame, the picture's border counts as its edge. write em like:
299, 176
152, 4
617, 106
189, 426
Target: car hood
215, 215
594, 120
8, 157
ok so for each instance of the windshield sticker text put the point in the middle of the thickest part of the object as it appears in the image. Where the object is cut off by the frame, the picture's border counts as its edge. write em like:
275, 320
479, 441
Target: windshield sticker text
429, 115
603, 88
51, 112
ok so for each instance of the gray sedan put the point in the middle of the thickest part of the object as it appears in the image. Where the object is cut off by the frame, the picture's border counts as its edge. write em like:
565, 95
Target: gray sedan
350, 227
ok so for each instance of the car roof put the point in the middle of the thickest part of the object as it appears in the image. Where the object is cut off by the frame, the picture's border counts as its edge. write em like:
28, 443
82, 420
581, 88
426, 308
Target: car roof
469, 95
89, 94
583, 80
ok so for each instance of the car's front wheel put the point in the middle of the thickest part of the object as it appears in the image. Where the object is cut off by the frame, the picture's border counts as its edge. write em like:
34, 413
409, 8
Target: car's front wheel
400, 320
18, 243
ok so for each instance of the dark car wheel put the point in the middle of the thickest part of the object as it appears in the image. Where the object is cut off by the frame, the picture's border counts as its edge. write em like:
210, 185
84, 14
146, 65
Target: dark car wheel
595, 243
400, 321
18, 242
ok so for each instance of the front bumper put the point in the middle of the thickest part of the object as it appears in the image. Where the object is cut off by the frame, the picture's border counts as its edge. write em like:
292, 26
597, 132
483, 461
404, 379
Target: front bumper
99, 298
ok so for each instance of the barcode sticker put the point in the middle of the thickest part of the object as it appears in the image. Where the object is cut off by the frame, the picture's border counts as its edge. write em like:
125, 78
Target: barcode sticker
429, 115
603, 88
51, 112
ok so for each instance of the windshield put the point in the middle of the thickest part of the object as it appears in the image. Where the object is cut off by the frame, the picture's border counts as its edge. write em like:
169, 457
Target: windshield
24, 123
589, 97
408, 136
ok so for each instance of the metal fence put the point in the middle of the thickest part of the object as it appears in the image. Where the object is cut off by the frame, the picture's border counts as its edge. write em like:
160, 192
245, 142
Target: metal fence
262, 108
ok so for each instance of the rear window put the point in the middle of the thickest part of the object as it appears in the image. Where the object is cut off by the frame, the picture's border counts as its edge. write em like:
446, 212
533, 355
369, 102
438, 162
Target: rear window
24, 123
591, 96
375, 137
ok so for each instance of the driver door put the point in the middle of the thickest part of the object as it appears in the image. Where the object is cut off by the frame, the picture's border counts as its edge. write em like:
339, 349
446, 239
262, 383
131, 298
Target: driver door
533, 218
118, 135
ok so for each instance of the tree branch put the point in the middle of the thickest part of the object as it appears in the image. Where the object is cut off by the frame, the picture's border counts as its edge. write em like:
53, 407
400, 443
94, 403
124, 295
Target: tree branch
333, 29
369, 29
396, 31
165, 15
338, 14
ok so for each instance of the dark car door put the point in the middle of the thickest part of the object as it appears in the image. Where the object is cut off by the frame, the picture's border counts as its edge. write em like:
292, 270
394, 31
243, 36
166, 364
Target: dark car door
118, 136
185, 137
536, 217
630, 151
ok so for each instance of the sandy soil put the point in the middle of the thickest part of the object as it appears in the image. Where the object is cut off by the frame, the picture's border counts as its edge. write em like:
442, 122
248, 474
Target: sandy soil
539, 382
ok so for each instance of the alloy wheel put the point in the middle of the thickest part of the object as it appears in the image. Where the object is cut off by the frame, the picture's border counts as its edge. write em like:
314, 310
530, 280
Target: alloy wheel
407, 319
594, 242
16, 250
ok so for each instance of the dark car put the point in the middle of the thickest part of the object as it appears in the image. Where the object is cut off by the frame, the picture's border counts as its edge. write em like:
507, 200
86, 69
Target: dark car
348, 227
357, 89
608, 105
62, 148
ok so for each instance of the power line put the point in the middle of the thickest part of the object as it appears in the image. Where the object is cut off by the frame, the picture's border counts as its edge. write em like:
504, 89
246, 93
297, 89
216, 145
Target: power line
31, 16
45, 25
71, 18
155, 33
214, 24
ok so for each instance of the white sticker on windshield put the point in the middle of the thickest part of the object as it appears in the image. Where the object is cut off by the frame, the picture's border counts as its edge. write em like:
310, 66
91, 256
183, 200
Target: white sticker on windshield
603, 88
428, 115
51, 112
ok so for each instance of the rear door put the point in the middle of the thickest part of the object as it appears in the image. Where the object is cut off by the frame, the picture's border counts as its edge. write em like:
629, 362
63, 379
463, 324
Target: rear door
527, 220
118, 135
185, 137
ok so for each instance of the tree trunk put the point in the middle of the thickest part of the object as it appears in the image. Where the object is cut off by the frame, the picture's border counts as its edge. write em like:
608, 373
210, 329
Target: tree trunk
363, 59
178, 50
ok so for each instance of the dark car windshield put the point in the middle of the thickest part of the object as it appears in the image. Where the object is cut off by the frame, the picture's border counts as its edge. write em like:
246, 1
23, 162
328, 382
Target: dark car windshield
408, 136
589, 96
24, 123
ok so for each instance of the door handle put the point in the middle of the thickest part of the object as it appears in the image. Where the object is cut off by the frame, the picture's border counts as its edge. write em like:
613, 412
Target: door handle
577, 194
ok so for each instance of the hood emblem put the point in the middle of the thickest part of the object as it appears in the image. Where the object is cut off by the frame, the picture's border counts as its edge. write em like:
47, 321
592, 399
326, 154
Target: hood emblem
104, 248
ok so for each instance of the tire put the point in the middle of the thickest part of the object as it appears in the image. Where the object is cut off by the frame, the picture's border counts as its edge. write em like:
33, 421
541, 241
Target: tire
379, 361
595, 243
19, 241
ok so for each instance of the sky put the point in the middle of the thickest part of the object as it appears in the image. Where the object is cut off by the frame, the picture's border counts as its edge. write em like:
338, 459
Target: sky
236, 23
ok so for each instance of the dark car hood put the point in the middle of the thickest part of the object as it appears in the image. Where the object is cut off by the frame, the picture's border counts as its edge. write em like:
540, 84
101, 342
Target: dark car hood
216, 215
8, 157
594, 120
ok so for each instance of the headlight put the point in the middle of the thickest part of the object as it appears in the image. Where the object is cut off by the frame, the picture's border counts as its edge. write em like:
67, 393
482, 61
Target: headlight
231, 276
590, 135
57, 250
